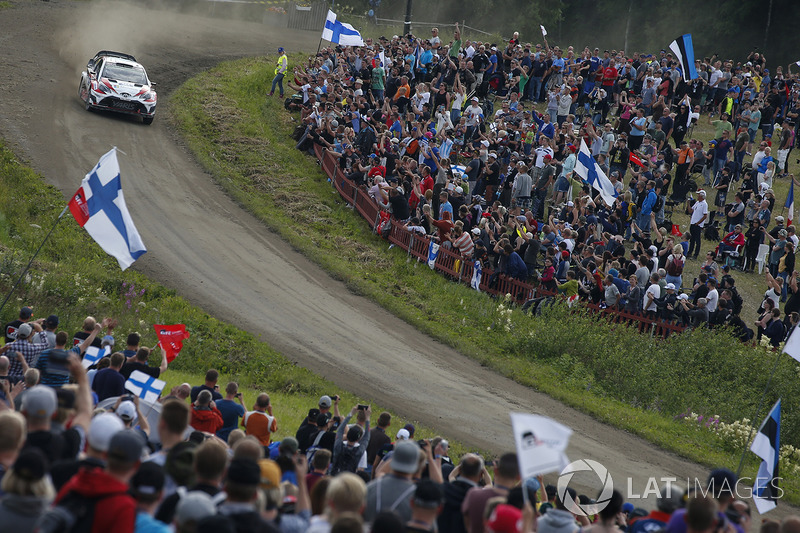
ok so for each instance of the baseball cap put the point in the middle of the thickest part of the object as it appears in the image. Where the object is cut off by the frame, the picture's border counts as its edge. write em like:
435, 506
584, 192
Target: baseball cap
505, 519
244, 471
411, 429
126, 411
325, 402
402, 433
31, 465
102, 428
126, 445
270, 474
40, 402
406, 457
52, 321
194, 506
108, 340
313, 413
25, 313
428, 495
323, 419
24, 331
670, 286
779, 218
148, 479
475, 99
289, 444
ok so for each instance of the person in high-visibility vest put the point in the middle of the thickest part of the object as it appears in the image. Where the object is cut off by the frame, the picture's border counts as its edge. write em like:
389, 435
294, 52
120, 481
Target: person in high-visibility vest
280, 72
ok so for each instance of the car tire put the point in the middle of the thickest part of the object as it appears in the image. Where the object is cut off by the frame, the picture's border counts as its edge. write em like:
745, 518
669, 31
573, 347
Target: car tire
147, 120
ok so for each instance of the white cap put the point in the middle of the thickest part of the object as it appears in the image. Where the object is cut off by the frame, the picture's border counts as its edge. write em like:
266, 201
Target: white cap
126, 411
570, 204
476, 231
683, 296
403, 434
670, 286
460, 190
102, 428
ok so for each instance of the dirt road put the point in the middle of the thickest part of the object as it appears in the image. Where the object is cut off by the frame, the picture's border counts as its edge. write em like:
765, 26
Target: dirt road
220, 258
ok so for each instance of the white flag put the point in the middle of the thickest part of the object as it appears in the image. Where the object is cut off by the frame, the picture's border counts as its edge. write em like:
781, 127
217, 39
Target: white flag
477, 273
541, 443
544, 31
144, 386
792, 346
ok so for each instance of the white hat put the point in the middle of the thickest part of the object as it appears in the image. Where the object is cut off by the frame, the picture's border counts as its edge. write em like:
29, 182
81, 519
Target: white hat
701, 191
450, 186
476, 231
485, 143
460, 190
683, 296
126, 411
403, 434
492, 154
102, 428
670, 287
570, 204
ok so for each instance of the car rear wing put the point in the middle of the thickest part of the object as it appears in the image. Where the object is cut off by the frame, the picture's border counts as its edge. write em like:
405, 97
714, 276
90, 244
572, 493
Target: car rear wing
109, 53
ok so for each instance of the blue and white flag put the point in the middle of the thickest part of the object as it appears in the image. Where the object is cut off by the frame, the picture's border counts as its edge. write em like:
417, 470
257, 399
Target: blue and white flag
340, 32
145, 387
433, 253
477, 273
588, 169
766, 445
99, 207
683, 49
93, 355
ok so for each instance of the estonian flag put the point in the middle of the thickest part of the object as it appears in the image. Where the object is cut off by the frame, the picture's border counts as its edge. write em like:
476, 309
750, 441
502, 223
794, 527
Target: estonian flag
790, 204
683, 49
340, 32
766, 445
588, 169
433, 253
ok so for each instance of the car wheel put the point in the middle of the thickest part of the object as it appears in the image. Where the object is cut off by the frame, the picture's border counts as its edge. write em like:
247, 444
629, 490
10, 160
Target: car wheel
147, 120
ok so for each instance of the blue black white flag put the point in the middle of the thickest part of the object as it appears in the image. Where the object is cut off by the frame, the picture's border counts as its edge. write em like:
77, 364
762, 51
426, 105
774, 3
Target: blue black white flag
766, 445
683, 49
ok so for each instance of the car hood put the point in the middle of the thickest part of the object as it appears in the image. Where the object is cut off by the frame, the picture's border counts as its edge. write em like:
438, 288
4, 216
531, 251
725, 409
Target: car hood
126, 88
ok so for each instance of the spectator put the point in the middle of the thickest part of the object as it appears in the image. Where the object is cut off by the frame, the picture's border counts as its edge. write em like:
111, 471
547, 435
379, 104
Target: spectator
132, 347
140, 363
52, 363
393, 492
558, 519
118, 509
378, 437
89, 325
351, 454
109, 382
669, 500
10, 329
210, 385
346, 494
27, 491
320, 464
50, 326
210, 461
30, 341
12, 438
147, 487
506, 474
260, 422
425, 506
230, 411
238, 512
172, 425
205, 415
468, 474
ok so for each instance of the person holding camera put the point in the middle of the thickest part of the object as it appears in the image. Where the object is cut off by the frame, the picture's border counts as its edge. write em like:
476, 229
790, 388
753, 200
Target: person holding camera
231, 411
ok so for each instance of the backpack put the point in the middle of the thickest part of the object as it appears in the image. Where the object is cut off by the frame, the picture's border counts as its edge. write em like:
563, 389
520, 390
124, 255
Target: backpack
346, 460
659, 203
675, 267
312, 450
73, 514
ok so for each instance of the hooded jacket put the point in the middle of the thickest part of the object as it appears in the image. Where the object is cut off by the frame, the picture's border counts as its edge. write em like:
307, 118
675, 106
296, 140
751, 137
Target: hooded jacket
206, 419
115, 509
556, 521
20, 513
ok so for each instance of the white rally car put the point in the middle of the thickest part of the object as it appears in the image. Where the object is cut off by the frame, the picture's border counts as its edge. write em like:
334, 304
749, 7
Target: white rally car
116, 82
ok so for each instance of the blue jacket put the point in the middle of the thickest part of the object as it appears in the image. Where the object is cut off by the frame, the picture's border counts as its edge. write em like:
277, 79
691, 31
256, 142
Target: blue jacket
516, 268
649, 202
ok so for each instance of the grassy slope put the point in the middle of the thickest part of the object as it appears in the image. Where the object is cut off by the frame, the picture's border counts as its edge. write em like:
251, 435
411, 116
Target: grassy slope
630, 381
74, 285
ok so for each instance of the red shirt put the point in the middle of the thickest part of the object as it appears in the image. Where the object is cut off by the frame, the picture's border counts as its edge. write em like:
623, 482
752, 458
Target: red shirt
116, 511
609, 76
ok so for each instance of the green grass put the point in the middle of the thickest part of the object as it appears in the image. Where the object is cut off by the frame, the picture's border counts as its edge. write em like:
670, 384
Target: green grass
5, 5
74, 285
628, 380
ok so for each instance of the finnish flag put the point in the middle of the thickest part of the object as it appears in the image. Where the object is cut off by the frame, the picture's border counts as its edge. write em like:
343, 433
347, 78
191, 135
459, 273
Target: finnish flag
99, 207
588, 169
433, 253
145, 387
93, 355
340, 32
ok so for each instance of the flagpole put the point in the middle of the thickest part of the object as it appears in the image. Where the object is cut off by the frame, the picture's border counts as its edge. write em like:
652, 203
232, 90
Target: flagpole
19, 280
754, 421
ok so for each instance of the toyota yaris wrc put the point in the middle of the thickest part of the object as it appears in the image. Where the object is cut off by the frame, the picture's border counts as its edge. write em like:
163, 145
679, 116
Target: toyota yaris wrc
114, 81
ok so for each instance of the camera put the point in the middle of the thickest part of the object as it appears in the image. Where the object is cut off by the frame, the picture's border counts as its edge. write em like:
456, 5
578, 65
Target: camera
362, 407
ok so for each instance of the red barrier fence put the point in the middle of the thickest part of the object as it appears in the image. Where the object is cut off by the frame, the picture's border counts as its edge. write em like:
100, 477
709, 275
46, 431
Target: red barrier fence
450, 262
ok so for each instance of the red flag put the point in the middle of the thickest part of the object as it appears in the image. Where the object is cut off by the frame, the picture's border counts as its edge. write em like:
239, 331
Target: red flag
79, 208
636, 161
170, 338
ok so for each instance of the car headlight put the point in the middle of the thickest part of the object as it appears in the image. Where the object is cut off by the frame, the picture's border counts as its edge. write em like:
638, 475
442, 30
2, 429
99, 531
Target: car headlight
103, 88
148, 96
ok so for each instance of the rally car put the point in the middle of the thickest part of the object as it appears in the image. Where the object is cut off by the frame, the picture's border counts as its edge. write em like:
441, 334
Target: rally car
114, 81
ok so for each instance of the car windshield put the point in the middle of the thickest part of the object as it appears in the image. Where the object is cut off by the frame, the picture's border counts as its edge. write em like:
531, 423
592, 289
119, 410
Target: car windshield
125, 72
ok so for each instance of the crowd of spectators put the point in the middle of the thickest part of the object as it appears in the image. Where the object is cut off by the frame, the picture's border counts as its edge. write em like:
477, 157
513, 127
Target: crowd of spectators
446, 137
198, 461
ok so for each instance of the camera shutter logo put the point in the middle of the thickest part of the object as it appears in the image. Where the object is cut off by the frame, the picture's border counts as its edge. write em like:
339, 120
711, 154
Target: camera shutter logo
585, 465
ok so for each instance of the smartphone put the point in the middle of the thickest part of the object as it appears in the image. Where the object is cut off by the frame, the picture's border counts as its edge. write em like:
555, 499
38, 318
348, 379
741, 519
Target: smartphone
363, 407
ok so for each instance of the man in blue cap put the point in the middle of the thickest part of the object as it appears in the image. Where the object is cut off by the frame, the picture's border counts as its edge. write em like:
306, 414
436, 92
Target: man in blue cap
280, 72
